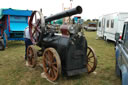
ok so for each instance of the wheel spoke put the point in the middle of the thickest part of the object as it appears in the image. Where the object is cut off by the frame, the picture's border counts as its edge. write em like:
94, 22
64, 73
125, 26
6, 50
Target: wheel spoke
48, 70
50, 56
29, 50
54, 63
37, 25
47, 57
55, 73
33, 32
47, 63
51, 73
89, 52
38, 30
54, 67
89, 65
91, 57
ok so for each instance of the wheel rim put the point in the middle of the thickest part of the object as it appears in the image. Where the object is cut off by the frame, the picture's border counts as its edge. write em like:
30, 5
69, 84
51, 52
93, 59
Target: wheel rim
35, 26
31, 54
92, 60
51, 64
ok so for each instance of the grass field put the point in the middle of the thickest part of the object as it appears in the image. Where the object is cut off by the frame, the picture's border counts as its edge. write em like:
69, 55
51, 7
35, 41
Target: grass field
14, 72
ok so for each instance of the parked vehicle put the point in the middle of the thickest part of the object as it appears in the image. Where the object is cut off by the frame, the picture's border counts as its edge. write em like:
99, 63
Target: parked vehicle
121, 53
110, 24
91, 26
101, 27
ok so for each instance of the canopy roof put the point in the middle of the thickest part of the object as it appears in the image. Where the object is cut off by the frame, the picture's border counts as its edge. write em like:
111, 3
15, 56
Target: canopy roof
15, 12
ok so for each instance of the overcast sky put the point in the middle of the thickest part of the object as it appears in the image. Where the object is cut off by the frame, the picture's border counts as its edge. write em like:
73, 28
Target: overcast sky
91, 8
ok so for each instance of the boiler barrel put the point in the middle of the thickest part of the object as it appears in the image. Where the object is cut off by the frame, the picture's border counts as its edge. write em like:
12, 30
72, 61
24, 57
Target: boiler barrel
67, 13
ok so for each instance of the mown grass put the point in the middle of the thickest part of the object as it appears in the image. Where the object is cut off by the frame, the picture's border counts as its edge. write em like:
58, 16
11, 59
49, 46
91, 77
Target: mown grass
14, 72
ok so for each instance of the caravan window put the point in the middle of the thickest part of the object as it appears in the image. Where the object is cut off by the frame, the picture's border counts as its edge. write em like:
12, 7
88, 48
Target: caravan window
107, 23
112, 23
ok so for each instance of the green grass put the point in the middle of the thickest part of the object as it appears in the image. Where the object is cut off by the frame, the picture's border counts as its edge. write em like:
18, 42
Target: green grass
14, 72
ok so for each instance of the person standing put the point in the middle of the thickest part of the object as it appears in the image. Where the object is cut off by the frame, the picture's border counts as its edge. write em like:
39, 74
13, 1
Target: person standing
28, 42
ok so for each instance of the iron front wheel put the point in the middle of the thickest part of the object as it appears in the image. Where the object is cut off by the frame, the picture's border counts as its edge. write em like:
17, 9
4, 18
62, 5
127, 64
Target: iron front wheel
51, 64
92, 60
32, 56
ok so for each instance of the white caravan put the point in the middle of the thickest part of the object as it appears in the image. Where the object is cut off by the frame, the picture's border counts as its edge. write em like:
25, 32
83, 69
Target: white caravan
110, 24
101, 27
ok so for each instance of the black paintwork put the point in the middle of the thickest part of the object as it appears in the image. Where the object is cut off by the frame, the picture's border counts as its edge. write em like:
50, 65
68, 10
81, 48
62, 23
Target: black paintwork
72, 51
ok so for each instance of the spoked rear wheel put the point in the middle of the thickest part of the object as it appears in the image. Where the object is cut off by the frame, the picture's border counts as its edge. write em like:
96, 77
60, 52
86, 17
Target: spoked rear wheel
51, 64
92, 60
32, 56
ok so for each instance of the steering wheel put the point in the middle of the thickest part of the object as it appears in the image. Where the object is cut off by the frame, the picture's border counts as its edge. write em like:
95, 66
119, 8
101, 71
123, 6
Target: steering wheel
36, 25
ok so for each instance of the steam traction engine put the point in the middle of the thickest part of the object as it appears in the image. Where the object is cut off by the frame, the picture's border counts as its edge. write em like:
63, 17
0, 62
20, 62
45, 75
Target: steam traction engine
66, 52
